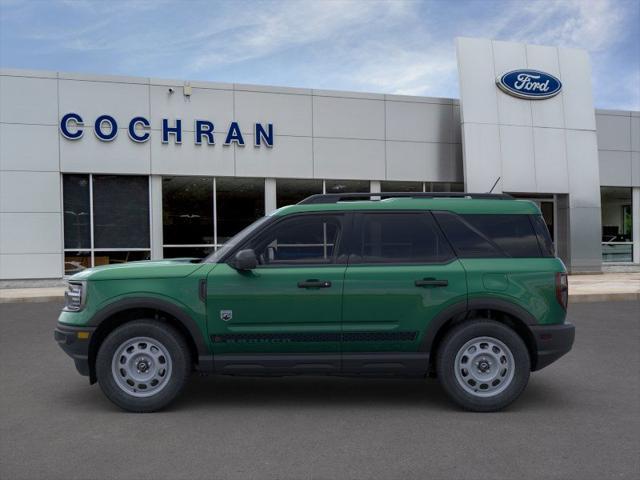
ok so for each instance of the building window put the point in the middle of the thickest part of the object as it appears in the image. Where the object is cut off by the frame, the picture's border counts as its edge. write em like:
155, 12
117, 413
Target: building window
187, 216
292, 191
239, 202
347, 186
199, 214
106, 220
617, 226
444, 187
401, 187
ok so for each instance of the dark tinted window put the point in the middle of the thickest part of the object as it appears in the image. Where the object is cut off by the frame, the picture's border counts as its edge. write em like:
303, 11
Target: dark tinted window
77, 217
311, 239
187, 211
239, 202
402, 238
121, 211
490, 236
544, 237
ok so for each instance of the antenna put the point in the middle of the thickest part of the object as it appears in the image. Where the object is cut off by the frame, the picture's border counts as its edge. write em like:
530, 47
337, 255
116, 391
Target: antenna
494, 185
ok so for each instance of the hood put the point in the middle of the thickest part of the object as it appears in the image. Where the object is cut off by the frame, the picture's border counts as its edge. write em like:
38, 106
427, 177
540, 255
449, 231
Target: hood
174, 268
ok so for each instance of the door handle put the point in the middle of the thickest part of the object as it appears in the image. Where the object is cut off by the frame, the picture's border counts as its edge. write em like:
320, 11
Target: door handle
431, 282
314, 284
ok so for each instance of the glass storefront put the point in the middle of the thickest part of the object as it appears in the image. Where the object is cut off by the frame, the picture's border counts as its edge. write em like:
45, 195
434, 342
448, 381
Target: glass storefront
617, 224
106, 220
107, 217
291, 191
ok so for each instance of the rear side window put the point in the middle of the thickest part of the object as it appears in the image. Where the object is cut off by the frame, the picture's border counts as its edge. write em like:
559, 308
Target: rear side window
490, 236
401, 238
544, 238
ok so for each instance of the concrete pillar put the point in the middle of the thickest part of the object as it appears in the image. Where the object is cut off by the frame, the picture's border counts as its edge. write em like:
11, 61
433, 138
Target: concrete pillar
155, 214
270, 203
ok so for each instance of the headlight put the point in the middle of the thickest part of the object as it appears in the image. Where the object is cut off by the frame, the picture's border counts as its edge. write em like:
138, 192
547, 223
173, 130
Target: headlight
74, 297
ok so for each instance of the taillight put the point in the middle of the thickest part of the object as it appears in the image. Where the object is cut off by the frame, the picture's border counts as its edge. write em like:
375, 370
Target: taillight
562, 289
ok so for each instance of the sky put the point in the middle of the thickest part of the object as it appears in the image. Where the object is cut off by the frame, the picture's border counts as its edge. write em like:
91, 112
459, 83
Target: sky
402, 47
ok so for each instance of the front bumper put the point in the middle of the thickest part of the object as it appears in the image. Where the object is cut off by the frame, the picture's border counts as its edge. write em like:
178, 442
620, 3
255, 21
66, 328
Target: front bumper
552, 342
75, 343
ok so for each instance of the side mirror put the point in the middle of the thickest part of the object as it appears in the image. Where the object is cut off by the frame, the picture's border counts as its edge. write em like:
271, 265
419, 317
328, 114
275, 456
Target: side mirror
245, 260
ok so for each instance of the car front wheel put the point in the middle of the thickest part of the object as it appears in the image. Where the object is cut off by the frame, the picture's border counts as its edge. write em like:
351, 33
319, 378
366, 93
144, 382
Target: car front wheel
483, 365
143, 365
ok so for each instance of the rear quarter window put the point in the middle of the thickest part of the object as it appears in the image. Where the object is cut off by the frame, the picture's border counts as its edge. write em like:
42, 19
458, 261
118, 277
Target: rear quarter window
490, 235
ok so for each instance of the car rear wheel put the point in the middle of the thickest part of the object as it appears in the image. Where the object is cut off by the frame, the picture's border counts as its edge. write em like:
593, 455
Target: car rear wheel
483, 365
143, 365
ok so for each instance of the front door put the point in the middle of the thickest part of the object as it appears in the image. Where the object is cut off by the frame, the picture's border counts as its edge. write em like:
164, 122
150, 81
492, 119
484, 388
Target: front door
402, 275
290, 305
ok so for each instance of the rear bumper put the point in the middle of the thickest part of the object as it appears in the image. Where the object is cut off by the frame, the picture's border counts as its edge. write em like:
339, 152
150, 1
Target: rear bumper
75, 346
552, 342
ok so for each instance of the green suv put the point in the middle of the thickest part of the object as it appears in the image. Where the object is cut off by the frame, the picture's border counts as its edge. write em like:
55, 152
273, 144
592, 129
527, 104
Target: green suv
464, 287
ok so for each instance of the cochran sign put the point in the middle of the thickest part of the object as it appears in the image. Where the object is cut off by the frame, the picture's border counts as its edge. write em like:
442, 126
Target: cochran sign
529, 84
105, 128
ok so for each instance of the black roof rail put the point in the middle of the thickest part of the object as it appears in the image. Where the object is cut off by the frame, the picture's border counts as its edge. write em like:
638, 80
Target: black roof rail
336, 197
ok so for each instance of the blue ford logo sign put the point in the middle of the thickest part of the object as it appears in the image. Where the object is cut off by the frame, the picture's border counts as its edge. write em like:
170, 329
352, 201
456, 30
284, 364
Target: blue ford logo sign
529, 84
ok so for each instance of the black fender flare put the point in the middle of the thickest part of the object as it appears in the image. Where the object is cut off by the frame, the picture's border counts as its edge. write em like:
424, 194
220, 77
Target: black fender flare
156, 304
465, 306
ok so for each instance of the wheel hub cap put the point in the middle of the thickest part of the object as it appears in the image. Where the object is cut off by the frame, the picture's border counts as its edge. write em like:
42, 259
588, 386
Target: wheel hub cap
141, 366
484, 366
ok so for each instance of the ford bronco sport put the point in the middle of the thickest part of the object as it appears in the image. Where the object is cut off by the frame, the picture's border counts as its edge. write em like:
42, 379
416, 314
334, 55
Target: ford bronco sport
464, 287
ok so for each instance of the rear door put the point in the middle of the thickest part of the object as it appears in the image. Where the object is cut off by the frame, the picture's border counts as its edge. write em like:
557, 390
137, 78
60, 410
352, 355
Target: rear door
402, 273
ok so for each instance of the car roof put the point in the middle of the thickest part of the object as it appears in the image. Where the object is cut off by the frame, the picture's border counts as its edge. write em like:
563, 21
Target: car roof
461, 204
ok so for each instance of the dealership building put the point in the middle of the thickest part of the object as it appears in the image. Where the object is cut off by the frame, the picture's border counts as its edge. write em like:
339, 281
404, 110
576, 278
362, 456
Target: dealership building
99, 170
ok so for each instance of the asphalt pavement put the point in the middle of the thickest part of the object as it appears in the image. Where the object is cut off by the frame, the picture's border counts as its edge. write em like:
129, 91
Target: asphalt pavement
579, 418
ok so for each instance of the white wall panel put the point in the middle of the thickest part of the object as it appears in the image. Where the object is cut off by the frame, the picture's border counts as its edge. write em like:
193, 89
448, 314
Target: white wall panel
290, 114
550, 154
510, 56
29, 192
550, 112
203, 104
615, 168
614, 132
419, 122
30, 266
191, 159
348, 118
29, 147
406, 160
582, 164
635, 133
518, 165
349, 159
30, 233
292, 157
482, 164
28, 100
123, 101
477, 80
121, 155
635, 169
577, 93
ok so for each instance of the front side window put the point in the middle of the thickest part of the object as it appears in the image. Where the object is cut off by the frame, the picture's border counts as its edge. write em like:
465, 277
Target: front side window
401, 238
299, 240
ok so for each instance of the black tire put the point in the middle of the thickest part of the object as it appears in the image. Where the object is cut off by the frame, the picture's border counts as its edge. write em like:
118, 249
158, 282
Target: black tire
452, 344
176, 348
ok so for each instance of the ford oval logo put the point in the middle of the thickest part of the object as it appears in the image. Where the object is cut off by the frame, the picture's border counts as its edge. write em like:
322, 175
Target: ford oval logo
529, 84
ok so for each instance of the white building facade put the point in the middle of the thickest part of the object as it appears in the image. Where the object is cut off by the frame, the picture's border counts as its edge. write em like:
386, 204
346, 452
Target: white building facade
100, 170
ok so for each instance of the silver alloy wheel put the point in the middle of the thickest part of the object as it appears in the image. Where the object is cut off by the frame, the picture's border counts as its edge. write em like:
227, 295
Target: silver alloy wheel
484, 367
141, 366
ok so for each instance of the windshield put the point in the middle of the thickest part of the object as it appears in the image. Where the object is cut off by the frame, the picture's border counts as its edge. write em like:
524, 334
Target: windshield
233, 241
